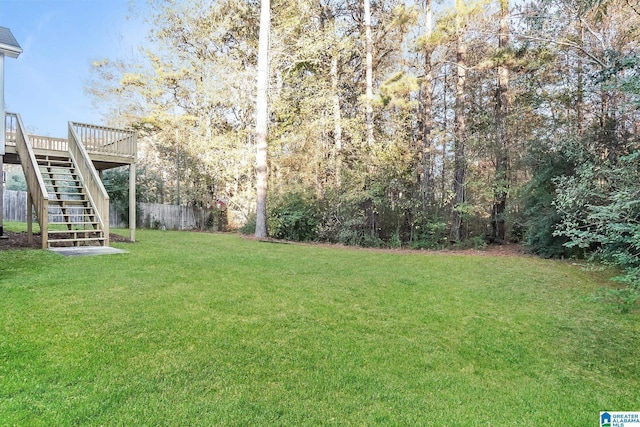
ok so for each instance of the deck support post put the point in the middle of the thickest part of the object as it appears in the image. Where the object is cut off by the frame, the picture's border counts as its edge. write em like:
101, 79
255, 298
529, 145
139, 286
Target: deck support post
132, 202
2, 142
29, 218
2, 236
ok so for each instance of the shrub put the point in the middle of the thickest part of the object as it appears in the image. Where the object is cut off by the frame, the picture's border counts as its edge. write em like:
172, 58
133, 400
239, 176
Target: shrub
294, 217
475, 242
433, 235
250, 226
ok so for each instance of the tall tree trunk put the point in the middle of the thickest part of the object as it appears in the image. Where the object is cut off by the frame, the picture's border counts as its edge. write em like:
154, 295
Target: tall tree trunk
580, 88
261, 120
426, 119
445, 130
501, 185
368, 72
459, 161
337, 119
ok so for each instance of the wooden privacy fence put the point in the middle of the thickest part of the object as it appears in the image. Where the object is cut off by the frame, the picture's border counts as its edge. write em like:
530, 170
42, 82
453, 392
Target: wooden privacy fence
150, 215
15, 209
170, 217
15, 205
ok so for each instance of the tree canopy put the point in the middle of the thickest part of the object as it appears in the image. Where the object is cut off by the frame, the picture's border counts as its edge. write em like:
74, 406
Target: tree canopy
395, 123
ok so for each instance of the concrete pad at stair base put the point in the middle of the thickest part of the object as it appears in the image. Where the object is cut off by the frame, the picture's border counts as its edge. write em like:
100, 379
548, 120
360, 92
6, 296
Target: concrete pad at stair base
87, 251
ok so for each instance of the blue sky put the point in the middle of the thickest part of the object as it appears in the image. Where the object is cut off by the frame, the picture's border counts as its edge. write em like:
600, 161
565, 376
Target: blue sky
60, 39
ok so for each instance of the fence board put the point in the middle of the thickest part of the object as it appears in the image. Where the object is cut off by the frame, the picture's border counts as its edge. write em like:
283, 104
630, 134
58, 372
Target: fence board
150, 215
14, 205
15, 208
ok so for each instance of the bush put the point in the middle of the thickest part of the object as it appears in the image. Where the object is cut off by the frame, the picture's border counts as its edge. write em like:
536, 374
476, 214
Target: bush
475, 242
541, 217
433, 235
294, 217
250, 226
217, 220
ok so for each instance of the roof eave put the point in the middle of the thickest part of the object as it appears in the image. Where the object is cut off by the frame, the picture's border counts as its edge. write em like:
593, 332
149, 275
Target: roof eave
10, 51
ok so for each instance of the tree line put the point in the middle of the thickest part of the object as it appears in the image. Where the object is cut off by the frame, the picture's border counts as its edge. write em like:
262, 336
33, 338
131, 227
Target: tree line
394, 123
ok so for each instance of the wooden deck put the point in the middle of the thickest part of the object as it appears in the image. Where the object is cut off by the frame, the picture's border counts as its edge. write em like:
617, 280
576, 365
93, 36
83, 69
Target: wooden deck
107, 147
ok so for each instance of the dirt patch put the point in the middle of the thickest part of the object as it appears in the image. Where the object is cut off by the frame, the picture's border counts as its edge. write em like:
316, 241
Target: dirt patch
20, 240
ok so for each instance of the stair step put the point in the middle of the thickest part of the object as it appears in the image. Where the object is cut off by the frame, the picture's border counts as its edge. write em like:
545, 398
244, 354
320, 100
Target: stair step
55, 159
49, 190
74, 223
62, 182
62, 157
58, 165
67, 196
78, 223
59, 203
75, 234
80, 211
58, 177
78, 238
82, 239
60, 172
55, 202
70, 193
53, 163
64, 177
85, 208
57, 168
64, 189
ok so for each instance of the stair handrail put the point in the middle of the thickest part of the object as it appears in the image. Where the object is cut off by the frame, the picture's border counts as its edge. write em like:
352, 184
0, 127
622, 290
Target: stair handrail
91, 180
35, 183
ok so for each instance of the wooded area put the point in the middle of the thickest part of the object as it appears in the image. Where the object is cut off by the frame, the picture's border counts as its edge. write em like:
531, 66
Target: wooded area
395, 123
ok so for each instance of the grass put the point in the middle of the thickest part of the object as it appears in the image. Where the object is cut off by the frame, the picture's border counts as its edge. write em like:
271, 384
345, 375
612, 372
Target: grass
205, 329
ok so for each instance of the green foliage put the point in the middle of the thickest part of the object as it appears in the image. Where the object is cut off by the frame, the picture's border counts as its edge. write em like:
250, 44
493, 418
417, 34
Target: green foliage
475, 242
293, 217
570, 74
600, 208
116, 182
16, 181
432, 235
395, 241
623, 74
540, 213
249, 227
217, 219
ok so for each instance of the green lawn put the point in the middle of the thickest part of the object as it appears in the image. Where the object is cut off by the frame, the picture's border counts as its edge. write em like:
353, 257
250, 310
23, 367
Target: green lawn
205, 329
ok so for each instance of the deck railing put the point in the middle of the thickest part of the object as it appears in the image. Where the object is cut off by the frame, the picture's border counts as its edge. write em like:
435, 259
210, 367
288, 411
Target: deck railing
96, 139
92, 183
37, 142
48, 143
35, 184
105, 140
10, 127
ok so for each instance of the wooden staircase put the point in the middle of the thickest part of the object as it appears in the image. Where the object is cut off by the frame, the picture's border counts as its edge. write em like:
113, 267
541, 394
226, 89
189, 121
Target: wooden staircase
77, 221
65, 193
